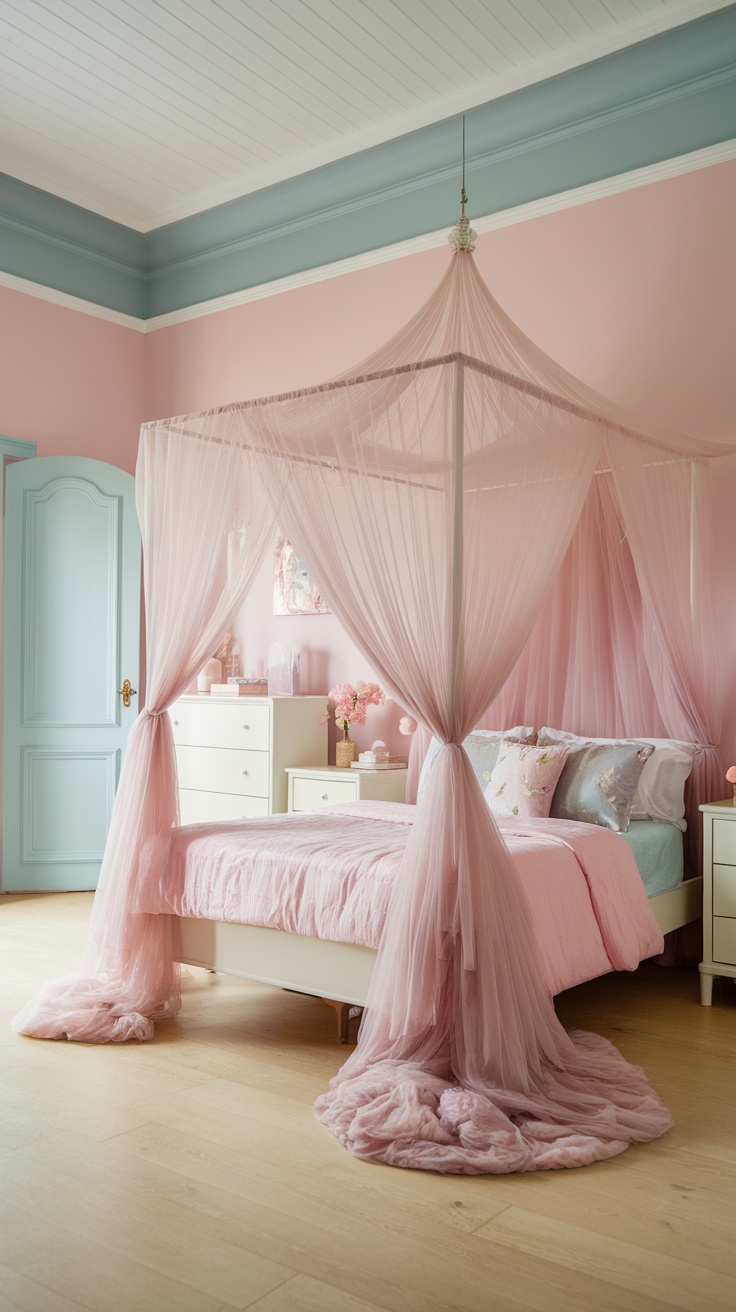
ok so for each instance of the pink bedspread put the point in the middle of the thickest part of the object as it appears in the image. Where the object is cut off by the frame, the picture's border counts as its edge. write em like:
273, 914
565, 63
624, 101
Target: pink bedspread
329, 874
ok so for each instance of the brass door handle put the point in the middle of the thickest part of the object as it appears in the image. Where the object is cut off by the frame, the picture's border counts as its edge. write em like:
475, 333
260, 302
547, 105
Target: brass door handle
127, 691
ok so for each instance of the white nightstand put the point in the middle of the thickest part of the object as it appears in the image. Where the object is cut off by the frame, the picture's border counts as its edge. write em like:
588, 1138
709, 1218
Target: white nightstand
719, 895
312, 787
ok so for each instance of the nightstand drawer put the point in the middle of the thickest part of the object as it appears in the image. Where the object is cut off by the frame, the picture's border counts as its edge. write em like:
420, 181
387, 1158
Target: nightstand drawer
313, 794
724, 842
201, 808
208, 724
724, 940
223, 770
724, 890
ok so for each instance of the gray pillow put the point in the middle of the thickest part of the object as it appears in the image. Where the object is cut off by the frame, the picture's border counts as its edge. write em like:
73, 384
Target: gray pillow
598, 784
482, 747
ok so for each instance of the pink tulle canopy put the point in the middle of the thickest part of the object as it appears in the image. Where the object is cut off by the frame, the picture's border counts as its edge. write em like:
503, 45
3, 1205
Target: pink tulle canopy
445, 493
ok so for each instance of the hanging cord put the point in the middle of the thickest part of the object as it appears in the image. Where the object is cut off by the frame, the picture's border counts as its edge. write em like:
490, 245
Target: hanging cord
463, 237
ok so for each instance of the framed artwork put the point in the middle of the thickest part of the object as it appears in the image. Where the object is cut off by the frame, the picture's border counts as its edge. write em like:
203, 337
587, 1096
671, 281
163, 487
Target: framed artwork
294, 592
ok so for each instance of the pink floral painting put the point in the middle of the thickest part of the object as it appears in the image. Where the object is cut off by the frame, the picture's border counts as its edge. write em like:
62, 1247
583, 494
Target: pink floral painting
294, 591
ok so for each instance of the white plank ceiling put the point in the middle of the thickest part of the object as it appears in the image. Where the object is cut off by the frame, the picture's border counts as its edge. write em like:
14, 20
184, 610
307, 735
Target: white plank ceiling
148, 111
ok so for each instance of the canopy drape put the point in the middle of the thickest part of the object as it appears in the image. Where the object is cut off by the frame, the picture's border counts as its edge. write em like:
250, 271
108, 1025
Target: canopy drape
626, 642
205, 527
435, 492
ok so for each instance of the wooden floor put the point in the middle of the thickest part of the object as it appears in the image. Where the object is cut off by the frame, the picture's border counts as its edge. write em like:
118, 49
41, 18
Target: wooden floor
189, 1175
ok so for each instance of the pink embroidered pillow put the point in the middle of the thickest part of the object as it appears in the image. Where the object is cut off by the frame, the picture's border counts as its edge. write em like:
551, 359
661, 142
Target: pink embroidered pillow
524, 779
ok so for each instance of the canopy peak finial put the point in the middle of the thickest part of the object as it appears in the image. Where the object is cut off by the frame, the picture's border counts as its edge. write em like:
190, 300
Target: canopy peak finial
463, 237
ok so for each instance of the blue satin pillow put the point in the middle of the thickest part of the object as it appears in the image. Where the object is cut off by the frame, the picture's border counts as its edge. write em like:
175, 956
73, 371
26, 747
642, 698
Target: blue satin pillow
598, 784
482, 747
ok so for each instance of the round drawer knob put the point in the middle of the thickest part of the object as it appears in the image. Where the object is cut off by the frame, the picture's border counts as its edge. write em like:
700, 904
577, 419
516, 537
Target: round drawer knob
325, 797
246, 727
245, 772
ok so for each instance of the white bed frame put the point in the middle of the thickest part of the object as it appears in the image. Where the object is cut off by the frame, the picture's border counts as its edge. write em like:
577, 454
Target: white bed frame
340, 972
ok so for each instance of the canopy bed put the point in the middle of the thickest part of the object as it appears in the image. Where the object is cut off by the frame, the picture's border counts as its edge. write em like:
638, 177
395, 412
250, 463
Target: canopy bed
437, 491
307, 915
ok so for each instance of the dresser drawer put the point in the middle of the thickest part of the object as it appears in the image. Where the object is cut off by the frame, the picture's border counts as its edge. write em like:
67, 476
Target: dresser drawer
313, 794
724, 940
724, 890
209, 724
724, 842
200, 808
223, 770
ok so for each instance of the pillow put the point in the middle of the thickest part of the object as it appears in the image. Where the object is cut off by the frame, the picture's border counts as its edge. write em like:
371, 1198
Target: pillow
598, 783
524, 779
482, 747
660, 793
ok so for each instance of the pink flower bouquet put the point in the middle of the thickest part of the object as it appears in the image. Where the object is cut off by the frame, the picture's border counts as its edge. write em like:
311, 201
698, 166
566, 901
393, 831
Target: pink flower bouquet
731, 779
350, 704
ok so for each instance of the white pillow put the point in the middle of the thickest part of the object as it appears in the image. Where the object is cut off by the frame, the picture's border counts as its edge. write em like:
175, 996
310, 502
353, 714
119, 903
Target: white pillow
660, 793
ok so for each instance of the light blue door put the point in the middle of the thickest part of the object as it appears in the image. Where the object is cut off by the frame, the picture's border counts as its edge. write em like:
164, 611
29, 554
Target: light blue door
71, 638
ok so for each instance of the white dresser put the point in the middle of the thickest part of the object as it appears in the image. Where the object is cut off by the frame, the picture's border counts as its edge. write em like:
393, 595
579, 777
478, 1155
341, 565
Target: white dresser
231, 753
719, 895
311, 789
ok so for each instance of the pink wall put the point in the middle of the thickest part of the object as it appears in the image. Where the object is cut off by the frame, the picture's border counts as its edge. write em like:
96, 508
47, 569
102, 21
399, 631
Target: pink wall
70, 382
635, 293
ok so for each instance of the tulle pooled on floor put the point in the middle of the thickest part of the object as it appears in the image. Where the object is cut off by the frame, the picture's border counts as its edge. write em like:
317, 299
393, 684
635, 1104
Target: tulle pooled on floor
462, 1065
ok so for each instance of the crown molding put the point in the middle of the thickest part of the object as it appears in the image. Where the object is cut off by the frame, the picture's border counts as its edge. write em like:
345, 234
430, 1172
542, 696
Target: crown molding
30, 288
700, 159
69, 249
645, 107
643, 177
658, 100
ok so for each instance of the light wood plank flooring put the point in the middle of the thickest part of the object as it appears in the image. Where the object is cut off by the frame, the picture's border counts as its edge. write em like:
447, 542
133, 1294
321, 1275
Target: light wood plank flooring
189, 1175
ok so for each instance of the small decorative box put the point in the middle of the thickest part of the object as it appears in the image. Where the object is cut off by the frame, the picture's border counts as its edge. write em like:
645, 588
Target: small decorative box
377, 755
240, 688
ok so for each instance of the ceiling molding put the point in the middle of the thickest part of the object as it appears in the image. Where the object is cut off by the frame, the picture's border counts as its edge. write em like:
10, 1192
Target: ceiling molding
643, 177
486, 223
69, 249
29, 287
666, 98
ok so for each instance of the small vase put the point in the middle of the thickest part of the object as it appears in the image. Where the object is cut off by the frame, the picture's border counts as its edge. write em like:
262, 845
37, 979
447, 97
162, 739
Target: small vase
209, 674
231, 664
345, 752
